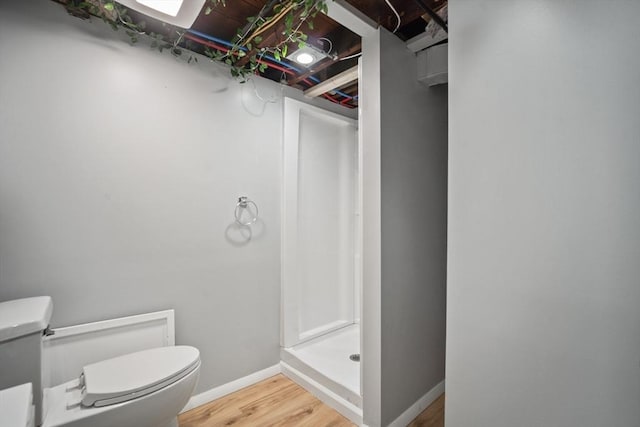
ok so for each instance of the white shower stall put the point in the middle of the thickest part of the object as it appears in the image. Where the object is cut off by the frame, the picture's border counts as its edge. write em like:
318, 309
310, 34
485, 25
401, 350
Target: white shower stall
321, 254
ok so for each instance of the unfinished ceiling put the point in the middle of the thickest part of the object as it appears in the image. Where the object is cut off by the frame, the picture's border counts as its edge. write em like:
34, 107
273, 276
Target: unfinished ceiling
215, 28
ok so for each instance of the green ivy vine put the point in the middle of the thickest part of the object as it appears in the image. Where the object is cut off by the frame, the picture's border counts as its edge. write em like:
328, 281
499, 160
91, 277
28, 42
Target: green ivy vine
278, 25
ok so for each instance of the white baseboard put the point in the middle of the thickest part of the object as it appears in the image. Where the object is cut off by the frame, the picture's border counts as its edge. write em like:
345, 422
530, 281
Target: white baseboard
230, 387
414, 410
347, 409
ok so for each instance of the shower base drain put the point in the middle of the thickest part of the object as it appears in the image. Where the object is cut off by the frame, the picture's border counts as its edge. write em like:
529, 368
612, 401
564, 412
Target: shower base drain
355, 357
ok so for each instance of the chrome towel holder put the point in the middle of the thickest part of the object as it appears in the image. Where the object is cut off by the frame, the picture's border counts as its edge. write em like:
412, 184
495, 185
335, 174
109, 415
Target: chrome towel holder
243, 204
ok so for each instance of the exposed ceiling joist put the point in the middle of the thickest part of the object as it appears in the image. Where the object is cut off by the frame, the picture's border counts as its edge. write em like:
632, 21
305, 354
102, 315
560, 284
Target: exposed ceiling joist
334, 82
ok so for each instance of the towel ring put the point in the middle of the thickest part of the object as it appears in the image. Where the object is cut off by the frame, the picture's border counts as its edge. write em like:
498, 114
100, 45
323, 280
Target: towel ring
243, 203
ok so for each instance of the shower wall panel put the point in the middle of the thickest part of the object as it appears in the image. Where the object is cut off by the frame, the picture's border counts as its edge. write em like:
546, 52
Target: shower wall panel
321, 182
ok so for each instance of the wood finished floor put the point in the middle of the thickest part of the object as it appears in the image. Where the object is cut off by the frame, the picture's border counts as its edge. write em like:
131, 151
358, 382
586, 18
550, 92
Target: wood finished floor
433, 416
278, 401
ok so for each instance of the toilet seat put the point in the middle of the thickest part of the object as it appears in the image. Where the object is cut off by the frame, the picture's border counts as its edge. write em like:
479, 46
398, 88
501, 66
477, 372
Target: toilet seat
137, 374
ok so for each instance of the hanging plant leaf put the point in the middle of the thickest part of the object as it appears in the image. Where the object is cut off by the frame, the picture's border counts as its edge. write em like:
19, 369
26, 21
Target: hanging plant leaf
246, 53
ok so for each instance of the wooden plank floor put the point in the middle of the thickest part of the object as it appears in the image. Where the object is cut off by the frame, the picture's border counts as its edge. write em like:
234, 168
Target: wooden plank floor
433, 416
278, 401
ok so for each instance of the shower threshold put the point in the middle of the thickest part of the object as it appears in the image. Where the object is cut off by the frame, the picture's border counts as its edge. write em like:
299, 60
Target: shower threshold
326, 360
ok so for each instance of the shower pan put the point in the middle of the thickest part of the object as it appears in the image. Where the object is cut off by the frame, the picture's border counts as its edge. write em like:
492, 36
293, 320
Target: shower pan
321, 263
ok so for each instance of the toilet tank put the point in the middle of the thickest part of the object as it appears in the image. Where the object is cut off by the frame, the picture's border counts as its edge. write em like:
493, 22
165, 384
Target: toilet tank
16, 406
22, 323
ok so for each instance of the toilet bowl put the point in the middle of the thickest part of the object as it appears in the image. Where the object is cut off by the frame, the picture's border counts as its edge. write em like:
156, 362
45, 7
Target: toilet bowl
142, 389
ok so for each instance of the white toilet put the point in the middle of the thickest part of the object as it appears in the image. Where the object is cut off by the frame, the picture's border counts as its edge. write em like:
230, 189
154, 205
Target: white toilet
142, 389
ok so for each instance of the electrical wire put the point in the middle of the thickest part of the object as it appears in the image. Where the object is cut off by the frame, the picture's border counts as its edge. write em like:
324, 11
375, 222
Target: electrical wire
272, 100
330, 44
130, 26
355, 55
397, 15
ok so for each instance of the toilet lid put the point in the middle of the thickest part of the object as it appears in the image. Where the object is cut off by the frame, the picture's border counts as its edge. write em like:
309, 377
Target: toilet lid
137, 374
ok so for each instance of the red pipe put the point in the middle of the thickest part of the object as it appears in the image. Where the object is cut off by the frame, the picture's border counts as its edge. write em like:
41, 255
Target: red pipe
331, 98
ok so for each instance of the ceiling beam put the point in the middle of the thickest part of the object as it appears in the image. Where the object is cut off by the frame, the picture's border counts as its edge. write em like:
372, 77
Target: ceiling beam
348, 16
334, 82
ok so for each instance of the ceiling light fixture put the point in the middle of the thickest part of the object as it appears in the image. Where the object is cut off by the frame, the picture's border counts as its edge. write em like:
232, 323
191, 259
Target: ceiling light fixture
304, 58
180, 13
307, 55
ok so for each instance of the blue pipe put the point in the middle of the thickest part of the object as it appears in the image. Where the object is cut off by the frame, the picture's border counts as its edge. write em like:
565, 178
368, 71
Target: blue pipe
270, 58
213, 39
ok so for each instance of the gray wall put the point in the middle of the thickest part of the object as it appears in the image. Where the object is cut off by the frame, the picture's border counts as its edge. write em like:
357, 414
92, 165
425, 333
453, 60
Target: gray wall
120, 168
544, 214
414, 221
